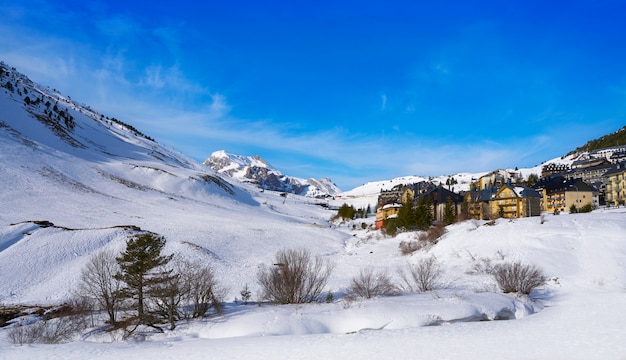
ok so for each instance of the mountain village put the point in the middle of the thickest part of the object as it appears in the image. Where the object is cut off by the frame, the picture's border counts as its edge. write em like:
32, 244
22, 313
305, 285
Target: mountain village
594, 179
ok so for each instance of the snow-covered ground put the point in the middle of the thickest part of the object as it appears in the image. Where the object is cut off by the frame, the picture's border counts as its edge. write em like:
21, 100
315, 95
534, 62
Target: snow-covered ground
116, 178
578, 314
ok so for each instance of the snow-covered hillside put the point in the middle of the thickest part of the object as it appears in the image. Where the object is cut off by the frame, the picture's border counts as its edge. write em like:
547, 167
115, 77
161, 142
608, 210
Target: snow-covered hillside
255, 170
100, 176
72, 189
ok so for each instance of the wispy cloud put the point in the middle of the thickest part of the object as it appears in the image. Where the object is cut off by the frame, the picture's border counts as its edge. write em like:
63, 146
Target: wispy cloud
383, 102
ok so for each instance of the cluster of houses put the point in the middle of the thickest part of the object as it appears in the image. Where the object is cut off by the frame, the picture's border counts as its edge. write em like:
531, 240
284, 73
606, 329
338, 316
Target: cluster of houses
595, 179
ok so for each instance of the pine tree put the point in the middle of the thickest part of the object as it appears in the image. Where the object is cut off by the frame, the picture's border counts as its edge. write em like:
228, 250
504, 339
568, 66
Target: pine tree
406, 215
346, 212
448, 212
423, 213
138, 264
532, 179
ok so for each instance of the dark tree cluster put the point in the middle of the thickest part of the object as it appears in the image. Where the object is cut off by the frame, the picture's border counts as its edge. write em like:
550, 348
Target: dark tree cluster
349, 212
410, 216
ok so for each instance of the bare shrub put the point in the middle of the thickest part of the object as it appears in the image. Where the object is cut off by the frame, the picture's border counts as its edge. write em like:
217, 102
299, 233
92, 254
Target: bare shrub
205, 291
433, 233
98, 282
409, 247
424, 241
52, 331
168, 294
369, 284
189, 282
17, 335
423, 276
294, 278
518, 277
484, 266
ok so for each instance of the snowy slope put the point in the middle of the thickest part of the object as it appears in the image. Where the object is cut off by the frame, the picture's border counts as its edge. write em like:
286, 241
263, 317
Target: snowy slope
116, 178
101, 175
255, 170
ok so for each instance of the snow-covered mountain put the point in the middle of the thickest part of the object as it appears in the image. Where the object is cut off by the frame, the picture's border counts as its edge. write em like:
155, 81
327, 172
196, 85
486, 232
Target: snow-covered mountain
73, 181
255, 170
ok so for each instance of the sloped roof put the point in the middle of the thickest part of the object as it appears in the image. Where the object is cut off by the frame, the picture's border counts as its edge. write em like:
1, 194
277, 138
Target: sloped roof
526, 192
441, 195
522, 191
616, 169
483, 195
560, 184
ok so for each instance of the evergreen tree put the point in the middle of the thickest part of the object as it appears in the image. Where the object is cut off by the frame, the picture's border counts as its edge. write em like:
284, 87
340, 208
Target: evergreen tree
138, 264
391, 227
448, 212
465, 210
346, 211
423, 213
406, 215
532, 179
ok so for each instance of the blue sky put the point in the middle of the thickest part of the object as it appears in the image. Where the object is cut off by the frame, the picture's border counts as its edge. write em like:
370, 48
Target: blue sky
352, 90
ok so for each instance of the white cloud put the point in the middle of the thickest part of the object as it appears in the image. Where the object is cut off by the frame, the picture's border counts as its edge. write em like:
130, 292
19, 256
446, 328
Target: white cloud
383, 102
153, 77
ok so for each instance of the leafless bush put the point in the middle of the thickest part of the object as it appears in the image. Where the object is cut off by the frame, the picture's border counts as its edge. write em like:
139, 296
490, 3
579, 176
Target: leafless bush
517, 277
423, 276
167, 295
189, 282
433, 233
484, 266
294, 278
424, 241
98, 282
368, 284
409, 247
52, 331
205, 291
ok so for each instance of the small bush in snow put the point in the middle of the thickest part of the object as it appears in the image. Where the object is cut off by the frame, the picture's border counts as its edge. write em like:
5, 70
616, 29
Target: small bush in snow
423, 276
409, 247
294, 278
517, 277
484, 266
433, 233
52, 331
369, 284
245, 294
424, 241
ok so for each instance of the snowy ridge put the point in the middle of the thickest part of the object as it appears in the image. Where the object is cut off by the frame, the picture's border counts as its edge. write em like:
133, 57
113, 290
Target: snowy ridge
255, 170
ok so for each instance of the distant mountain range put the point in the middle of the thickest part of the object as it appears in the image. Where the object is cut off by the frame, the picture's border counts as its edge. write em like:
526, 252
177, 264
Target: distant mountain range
255, 170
